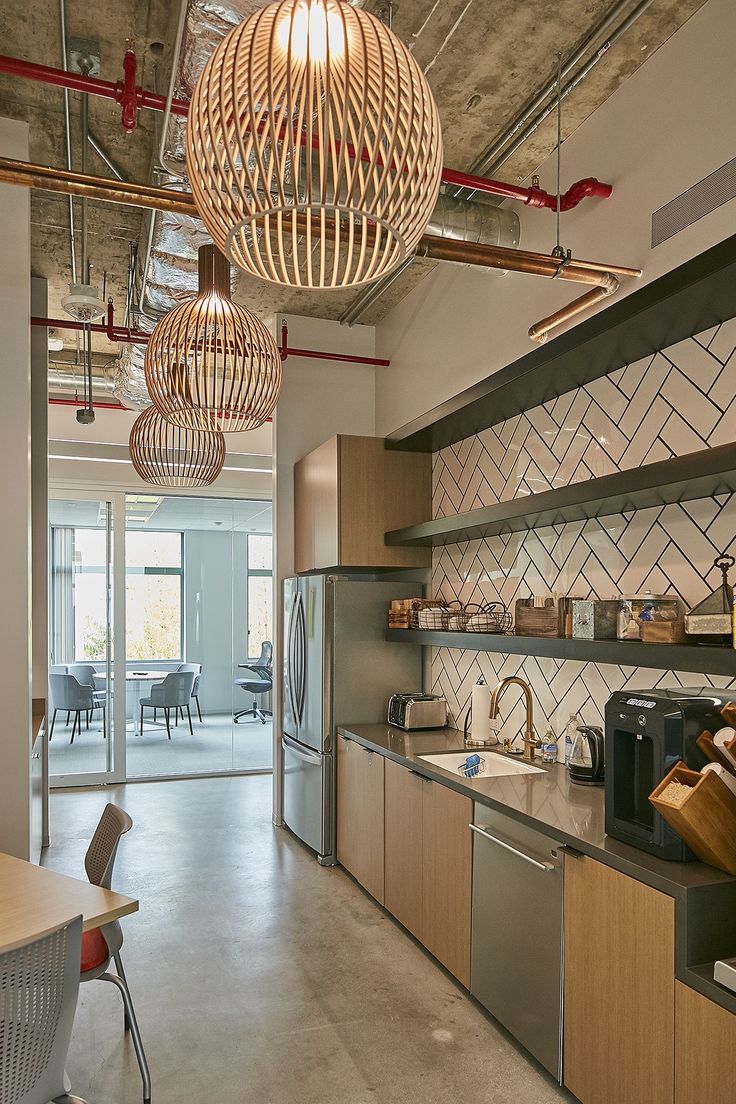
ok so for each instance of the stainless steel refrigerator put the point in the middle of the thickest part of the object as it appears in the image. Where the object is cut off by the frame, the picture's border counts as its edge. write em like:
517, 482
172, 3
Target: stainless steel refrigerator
337, 669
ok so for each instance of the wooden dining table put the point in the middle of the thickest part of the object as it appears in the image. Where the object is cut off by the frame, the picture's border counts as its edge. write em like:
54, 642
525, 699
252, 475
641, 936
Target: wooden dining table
34, 899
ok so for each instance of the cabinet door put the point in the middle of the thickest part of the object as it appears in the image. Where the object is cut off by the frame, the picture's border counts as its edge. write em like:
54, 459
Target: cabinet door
705, 1045
316, 491
619, 987
446, 877
360, 815
403, 852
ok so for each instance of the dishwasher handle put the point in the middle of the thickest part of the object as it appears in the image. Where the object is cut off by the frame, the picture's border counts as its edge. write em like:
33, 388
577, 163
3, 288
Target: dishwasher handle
514, 851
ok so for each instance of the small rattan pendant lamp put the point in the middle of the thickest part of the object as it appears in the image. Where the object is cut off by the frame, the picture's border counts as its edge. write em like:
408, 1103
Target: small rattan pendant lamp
314, 149
211, 364
171, 456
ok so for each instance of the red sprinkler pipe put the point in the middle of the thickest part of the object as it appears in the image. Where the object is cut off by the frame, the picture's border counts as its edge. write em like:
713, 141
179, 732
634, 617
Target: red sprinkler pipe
131, 98
76, 402
126, 336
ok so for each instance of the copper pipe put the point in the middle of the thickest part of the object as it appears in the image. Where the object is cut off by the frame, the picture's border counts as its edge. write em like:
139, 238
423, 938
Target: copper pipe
604, 278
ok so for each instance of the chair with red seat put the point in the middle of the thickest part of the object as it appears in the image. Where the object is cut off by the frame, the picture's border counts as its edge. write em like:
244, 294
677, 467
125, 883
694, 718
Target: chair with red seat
102, 945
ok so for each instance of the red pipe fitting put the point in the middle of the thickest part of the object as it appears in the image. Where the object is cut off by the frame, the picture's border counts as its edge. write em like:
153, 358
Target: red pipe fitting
127, 93
581, 190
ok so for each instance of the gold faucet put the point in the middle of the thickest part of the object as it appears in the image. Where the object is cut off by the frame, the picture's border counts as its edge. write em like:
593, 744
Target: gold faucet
530, 740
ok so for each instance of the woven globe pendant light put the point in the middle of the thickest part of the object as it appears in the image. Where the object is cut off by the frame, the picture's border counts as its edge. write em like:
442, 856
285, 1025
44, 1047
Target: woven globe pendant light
211, 364
313, 147
171, 456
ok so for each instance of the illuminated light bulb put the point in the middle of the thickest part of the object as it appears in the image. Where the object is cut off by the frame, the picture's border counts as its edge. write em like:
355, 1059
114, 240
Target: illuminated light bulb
311, 30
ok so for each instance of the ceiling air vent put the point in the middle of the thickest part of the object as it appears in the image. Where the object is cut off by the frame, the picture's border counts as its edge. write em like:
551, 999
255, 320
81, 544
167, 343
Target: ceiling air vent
701, 199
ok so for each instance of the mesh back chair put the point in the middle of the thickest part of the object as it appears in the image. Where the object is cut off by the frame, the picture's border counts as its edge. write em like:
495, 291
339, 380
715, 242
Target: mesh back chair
197, 669
39, 983
174, 692
67, 692
261, 684
102, 945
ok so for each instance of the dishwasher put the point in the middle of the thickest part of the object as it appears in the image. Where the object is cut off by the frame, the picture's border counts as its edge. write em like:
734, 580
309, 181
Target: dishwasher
516, 945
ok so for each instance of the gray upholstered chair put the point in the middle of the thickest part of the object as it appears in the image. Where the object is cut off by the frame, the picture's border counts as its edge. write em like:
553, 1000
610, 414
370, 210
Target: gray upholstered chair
39, 985
174, 692
102, 945
197, 668
262, 683
67, 693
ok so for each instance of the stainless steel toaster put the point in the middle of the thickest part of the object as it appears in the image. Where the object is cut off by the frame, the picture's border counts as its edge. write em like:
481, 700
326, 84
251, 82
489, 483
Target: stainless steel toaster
411, 711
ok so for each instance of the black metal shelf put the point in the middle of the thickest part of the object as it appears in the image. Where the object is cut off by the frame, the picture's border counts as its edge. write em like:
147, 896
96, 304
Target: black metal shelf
626, 653
694, 296
680, 479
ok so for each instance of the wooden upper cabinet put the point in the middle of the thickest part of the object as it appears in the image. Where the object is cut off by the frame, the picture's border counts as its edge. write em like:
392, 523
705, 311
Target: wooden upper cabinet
348, 493
619, 987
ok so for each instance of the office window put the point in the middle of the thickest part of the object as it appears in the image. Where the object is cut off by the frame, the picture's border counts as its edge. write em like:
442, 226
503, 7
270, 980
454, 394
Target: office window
260, 583
78, 609
154, 589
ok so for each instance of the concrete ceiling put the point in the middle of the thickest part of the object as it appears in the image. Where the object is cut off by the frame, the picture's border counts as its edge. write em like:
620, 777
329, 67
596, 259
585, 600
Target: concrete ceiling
483, 58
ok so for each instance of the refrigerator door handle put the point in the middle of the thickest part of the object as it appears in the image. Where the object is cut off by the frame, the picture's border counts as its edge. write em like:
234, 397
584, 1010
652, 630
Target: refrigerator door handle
301, 650
290, 657
300, 753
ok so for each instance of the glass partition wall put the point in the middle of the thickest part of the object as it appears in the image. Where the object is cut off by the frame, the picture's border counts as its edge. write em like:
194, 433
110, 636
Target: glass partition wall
192, 585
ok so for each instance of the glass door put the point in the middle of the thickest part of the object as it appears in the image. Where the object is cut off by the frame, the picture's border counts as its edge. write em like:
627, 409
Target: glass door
82, 748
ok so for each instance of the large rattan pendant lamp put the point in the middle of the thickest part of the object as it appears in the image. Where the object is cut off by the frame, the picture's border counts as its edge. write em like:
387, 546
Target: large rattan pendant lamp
171, 456
211, 364
314, 148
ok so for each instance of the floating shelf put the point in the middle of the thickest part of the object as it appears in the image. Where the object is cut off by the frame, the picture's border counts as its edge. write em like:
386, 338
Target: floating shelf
694, 296
680, 479
626, 653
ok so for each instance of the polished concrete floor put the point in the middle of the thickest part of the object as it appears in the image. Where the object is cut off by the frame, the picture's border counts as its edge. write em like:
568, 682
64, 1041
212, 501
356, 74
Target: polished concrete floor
259, 976
215, 744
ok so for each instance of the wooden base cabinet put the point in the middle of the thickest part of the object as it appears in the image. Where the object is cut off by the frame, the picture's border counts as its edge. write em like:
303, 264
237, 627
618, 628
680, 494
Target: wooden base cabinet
705, 1047
360, 800
619, 987
428, 859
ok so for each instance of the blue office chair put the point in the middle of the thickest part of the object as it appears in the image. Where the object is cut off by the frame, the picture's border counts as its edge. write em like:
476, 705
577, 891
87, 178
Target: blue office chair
261, 684
174, 692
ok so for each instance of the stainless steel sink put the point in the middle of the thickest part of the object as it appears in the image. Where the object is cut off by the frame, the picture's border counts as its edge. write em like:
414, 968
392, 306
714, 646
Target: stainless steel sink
496, 766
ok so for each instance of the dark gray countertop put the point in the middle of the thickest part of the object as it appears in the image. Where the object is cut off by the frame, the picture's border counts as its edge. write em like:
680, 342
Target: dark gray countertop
574, 815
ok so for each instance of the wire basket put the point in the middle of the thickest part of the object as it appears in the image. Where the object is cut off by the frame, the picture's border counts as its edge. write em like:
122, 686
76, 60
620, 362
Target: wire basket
437, 618
473, 766
493, 617
422, 605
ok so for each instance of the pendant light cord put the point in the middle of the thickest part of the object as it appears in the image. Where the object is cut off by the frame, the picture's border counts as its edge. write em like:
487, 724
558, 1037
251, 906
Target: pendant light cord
558, 248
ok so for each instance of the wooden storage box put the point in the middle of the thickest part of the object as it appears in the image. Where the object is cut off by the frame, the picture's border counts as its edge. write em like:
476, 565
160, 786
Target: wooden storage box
662, 632
706, 819
534, 620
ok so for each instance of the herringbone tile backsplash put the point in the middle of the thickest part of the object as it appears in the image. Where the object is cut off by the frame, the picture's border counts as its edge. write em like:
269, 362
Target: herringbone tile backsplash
676, 401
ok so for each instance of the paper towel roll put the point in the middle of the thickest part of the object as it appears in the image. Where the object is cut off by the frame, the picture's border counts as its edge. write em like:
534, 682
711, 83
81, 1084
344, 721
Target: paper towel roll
723, 736
480, 720
723, 774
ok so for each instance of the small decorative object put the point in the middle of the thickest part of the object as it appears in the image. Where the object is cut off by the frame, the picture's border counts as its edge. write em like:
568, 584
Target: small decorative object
566, 615
637, 609
171, 456
211, 364
314, 148
710, 622
537, 617
595, 619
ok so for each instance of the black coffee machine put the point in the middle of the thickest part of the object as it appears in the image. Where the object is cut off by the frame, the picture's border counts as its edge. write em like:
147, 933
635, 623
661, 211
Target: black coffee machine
647, 732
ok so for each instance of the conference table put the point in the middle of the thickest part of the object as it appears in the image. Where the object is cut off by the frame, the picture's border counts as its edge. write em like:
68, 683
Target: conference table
34, 899
135, 681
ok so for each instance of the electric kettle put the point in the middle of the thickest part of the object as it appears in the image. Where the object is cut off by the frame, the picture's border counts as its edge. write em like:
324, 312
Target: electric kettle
587, 756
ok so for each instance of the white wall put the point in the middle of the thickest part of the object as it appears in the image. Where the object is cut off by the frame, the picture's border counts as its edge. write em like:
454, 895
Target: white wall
15, 497
666, 127
319, 398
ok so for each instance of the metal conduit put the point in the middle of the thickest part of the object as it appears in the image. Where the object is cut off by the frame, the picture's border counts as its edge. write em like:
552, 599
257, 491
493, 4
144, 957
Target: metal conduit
437, 248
